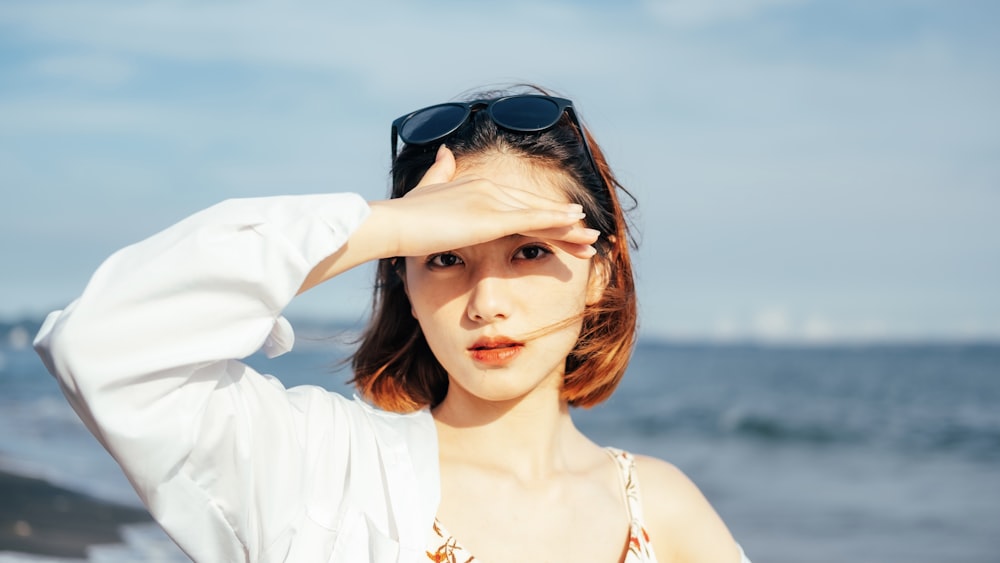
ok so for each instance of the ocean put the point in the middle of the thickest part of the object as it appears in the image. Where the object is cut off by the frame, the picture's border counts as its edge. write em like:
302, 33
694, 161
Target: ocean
859, 453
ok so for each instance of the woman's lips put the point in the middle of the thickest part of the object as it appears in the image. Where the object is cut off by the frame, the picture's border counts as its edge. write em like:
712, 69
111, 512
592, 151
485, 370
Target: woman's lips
495, 351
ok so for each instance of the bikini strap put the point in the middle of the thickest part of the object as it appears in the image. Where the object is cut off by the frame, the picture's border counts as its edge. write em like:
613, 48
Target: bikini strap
630, 483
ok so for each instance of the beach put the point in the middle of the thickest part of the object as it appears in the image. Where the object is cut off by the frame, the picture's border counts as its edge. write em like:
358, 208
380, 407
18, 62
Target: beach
40, 518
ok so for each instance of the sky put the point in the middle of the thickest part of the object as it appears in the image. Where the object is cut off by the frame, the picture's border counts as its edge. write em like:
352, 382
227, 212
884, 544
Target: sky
806, 171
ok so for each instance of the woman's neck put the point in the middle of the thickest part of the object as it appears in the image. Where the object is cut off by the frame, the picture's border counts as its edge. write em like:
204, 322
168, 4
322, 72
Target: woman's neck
531, 437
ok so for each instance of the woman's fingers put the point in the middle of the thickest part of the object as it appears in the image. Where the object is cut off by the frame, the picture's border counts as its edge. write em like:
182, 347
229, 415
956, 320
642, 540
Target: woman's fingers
576, 239
573, 234
519, 198
441, 176
442, 171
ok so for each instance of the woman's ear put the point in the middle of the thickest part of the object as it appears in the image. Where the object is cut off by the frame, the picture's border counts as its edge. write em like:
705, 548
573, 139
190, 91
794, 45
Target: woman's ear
600, 275
601, 266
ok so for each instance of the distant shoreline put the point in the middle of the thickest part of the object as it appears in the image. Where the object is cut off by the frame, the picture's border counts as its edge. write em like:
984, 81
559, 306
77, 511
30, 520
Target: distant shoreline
17, 333
40, 518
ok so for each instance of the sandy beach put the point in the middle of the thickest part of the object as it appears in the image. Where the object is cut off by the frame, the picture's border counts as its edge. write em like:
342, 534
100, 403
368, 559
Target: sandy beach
40, 518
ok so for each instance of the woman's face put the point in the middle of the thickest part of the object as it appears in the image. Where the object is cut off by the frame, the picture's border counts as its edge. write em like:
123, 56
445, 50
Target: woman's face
481, 307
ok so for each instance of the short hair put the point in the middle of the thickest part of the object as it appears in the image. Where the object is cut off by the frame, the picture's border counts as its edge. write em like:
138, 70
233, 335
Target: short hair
395, 369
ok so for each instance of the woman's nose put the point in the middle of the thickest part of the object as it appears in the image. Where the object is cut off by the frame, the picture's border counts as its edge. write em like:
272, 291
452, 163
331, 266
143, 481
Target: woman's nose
489, 300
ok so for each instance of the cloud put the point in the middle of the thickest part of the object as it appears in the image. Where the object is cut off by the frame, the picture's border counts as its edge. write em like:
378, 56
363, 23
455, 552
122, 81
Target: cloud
772, 324
181, 31
97, 70
726, 329
777, 325
38, 115
818, 330
417, 41
707, 12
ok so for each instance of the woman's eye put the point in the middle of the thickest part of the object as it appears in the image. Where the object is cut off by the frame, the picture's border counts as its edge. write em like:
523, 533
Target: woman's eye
444, 260
532, 253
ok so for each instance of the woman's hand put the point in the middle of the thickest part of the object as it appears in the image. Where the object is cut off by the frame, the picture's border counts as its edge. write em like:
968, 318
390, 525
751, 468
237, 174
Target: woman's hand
445, 212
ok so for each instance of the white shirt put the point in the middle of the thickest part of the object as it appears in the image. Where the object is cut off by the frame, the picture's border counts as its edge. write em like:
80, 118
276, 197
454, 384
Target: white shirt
230, 463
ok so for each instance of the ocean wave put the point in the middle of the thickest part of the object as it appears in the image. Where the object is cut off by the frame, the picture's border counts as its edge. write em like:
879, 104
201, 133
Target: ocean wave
766, 428
975, 438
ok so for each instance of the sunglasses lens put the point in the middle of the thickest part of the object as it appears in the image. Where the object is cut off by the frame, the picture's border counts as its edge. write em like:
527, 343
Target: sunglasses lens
526, 113
432, 123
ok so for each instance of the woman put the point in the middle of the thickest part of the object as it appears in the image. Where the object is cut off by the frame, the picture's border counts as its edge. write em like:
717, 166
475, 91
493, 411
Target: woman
504, 297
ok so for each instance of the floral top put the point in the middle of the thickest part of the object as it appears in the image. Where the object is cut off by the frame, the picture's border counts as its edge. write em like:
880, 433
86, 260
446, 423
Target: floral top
446, 549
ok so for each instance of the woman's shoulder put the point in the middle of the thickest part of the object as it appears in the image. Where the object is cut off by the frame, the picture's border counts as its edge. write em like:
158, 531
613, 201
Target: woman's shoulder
665, 481
682, 523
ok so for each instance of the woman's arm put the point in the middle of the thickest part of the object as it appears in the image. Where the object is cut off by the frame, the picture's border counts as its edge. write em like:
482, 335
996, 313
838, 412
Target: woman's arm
146, 358
444, 213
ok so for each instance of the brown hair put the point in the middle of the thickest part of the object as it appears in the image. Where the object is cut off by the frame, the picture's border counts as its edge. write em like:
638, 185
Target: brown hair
394, 367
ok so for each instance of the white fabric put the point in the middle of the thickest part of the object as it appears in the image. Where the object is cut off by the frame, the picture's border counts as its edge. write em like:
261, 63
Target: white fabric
230, 463
144, 356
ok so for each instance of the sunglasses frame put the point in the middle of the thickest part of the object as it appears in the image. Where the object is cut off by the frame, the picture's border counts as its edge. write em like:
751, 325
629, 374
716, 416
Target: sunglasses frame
562, 106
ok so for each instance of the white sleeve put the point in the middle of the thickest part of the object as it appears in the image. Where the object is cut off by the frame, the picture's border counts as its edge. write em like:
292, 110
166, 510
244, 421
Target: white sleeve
148, 358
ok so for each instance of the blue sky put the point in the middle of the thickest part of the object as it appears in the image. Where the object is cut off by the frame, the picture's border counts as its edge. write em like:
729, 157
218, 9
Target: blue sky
806, 170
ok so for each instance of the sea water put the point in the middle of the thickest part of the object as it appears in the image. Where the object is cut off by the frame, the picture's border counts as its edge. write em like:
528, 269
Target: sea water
880, 454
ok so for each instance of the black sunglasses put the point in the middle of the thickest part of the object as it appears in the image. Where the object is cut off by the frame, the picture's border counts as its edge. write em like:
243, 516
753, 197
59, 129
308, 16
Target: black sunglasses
528, 113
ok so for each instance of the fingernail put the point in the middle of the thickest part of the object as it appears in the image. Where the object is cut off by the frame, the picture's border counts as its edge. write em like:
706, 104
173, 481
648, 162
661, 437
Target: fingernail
577, 214
575, 207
